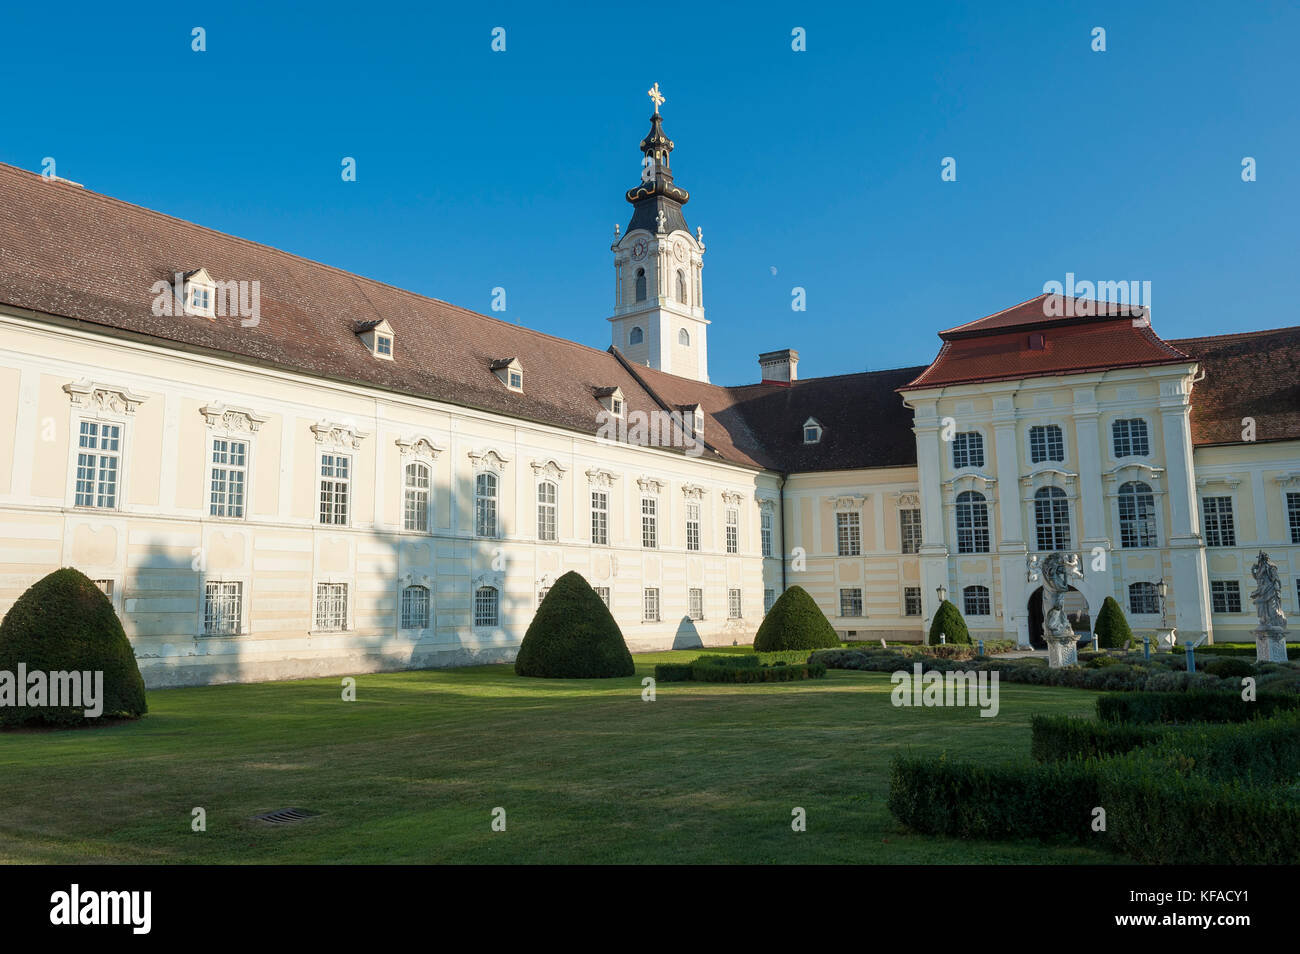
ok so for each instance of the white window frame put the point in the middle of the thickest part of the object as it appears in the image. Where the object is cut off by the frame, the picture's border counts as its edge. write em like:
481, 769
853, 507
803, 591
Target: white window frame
910, 594
850, 602
693, 525
649, 522
224, 588
848, 533
331, 594
695, 602
410, 490
246, 469
966, 597
1153, 594
906, 524
485, 503
1291, 507
380, 338
978, 532
1057, 506
1136, 521
651, 608
964, 440
334, 481
600, 517
1229, 589
402, 618
766, 527
735, 606
769, 599
1218, 520
1128, 438
548, 512
118, 455
732, 529
1049, 445
478, 620
605, 596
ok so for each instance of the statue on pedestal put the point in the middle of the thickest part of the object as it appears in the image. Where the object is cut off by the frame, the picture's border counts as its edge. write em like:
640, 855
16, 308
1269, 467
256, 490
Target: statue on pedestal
1058, 571
1270, 635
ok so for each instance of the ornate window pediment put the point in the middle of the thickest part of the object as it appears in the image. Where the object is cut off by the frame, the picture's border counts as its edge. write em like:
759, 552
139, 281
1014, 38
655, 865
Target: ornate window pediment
548, 468
1049, 475
693, 491
600, 478
968, 480
334, 434
488, 459
765, 503
1209, 481
908, 498
102, 397
732, 497
232, 418
419, 446
1289, 480
847, 502
650, 485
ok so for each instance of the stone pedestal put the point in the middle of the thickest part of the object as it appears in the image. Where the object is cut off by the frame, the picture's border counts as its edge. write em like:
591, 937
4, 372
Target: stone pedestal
1061, 651
1270, 645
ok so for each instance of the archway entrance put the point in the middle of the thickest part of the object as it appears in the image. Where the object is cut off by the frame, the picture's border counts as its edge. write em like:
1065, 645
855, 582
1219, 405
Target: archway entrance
1076, 610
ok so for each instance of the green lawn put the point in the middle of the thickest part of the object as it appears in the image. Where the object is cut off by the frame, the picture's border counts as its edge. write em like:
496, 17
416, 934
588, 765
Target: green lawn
586, 771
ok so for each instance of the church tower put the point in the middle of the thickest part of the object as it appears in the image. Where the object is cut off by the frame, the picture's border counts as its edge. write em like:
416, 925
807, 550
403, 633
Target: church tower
658, 269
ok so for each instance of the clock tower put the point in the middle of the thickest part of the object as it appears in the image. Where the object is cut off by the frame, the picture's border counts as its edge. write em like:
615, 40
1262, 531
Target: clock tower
658, 315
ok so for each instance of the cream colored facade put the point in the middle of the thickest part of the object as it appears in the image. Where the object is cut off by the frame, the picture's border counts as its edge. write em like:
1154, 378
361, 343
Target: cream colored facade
158, 547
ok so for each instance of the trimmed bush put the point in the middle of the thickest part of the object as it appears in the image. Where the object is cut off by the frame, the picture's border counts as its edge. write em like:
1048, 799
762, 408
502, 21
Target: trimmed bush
949, 621
673, 672
1112, 627
1060, 738
1229, 667
782, 672
1138, 708
573, 636
795, 622
65, 623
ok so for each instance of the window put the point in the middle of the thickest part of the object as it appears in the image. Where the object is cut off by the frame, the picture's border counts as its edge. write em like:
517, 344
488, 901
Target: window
1129, 436
1046, 443
1052, 519
909, 528
976, 601
603, 593
331, 607
334, 481
600, 517
681, 297
517, 380
851, 602
972, 522
640, 296
684, 337
848, 534
695, 609
650, 605
733, 604
649, 523
546, 510
415, 607
1137, 515
229, 471
769, 600
812, 432
911, 601
541, 594
968, 449
97, 464
1293, 516
1216, 514
616, 407
1143, 599
485, 506
384, 346
106, 586
200, 298
636, 336
765, 531
1225, 596
692, 525
415, 497
485, 606
222, 603
733, 530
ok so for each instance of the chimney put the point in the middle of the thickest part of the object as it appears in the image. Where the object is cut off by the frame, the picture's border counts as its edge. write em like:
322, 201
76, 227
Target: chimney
778, 367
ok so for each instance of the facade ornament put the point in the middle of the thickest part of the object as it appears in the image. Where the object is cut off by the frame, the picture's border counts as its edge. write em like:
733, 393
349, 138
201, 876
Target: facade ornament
1271, 634
488, 460
417, 446
1058, 572
548, 468
601, 479
650, 485
909, 499
699, 234
693, 491
333, 434
232, 418
661, 218
731, 497
847, 501
102, 397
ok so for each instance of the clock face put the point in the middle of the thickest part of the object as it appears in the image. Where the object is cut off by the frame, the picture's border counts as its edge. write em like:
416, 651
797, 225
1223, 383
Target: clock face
680, 251
639, 249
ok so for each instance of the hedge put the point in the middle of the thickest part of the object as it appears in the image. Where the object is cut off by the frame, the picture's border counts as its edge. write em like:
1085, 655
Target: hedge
1191, 706
778, 673
795, 621
1061, 738
573, 636
1112, 627
949, 622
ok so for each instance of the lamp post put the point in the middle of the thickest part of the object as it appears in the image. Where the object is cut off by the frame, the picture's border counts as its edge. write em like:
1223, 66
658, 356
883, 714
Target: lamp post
942, 591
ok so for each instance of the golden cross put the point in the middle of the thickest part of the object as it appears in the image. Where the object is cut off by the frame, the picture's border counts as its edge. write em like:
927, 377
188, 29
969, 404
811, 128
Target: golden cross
656, 96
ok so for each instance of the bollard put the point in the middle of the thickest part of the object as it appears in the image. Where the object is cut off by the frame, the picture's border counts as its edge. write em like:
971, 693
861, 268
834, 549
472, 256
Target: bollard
981, 645
1191, 658
943, 638
1146, 647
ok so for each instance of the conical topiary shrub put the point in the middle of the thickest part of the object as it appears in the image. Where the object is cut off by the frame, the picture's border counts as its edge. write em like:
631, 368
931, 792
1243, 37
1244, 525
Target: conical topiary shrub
949, 621
1112, 627
573, 636
65, 623
795, 621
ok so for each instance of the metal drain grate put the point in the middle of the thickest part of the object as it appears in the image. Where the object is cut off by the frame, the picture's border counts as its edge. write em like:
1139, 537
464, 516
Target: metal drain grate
285, 816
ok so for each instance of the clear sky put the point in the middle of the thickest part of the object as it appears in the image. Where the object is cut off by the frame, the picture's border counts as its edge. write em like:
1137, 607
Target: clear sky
819, 169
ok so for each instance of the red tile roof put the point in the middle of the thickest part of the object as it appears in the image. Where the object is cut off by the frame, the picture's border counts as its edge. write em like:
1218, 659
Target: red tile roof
1254, 374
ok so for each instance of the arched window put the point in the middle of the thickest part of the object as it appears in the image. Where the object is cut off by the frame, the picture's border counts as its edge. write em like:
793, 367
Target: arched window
968, 449
640, 284
485, 505
1143, 599
1130, 438
415, 505
1052, 518
681, 286
1137, 515
635, 336
972, 522
684, 337
546, 510
975, 601
485, 606
415, 607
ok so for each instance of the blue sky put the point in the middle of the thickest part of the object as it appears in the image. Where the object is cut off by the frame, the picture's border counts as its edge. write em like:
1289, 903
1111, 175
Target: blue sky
478, 169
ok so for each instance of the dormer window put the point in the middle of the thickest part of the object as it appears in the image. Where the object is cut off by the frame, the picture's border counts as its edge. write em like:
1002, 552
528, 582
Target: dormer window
611, 399
812, 431
199, 294
377, 336
616, 407
510, 372
692, 420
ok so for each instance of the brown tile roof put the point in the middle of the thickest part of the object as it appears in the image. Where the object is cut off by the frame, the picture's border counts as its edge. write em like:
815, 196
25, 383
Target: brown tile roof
1252, 374
1035, 313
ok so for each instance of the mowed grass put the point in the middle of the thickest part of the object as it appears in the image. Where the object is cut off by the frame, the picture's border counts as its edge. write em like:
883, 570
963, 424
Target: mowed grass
586, 771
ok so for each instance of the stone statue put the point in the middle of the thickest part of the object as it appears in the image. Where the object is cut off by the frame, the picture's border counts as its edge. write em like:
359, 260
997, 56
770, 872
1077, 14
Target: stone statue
1270, 635
1058, 571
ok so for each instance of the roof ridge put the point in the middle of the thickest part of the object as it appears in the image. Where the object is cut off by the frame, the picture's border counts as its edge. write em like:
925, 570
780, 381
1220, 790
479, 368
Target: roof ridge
23, 173
1236, 334
996, 313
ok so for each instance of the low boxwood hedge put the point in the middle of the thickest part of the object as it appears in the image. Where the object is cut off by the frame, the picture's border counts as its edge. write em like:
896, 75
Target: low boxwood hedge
1061, 738
1191, 706
703, 672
